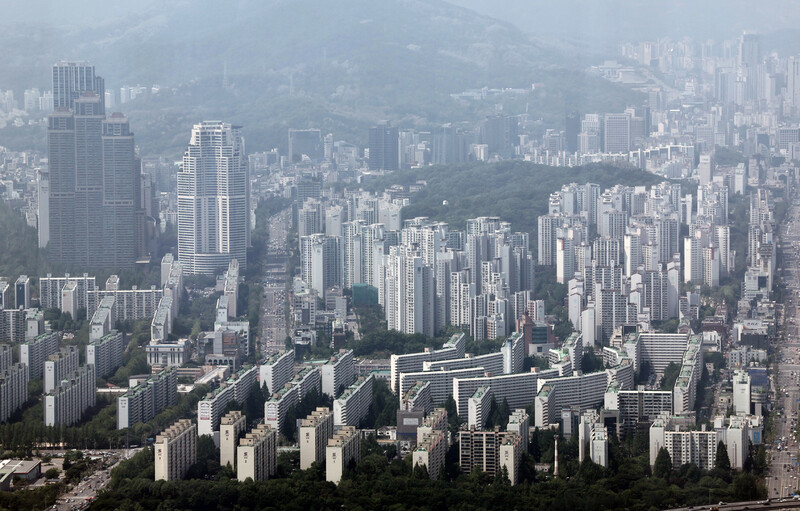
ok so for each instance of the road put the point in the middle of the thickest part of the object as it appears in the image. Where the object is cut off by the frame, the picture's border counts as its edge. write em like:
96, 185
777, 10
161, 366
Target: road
273, 305
782, 478
86, 490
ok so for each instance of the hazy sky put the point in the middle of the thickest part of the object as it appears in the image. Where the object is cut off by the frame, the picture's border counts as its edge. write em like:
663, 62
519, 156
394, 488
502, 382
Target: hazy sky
607, 21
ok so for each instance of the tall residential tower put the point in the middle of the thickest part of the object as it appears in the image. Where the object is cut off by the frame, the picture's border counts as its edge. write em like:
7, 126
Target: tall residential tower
213, 200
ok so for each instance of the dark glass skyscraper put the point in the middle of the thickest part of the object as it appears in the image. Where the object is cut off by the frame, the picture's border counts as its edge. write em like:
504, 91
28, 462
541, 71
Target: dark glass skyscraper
94, 178
71, 80
384, 147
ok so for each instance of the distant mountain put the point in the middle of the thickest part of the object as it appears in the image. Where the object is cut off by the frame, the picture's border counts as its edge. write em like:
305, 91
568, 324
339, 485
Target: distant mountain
290, 63
608, 22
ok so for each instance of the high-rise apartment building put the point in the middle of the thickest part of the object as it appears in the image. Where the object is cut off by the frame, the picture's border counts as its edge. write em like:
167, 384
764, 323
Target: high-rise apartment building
175, 450
75, 394
213, 200
315, 430
257, 454
342, 448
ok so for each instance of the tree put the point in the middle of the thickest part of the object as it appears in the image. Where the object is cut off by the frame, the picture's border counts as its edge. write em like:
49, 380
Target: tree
663, 465
52, 473
722, 461
671, 373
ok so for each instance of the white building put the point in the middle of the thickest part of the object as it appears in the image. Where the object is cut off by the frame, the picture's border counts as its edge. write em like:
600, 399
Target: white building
478, 407
213, 221
345, 446
431, 452
338, 372
59, 365
277, 370
741, 392
106, 353
315, 430
257, 454
414, 362
353, 404
75, 394
34, 352
231, 426
175, 451
698, 447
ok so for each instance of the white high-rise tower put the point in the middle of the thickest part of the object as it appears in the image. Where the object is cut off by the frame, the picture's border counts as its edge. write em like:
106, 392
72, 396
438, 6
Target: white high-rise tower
213, 200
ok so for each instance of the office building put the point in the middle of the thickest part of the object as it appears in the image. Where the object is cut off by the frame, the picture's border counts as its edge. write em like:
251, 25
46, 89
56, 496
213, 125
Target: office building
344, 447
59, 365
384, 146
94, 201
66, 404
617, 132
175, 451
71, 80
34, 352
315, 430
741, 392
213, 200
231, 427
257, 454
22, 292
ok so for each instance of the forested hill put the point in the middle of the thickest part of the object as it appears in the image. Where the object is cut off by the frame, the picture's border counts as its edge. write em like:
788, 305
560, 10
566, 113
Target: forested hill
19, 246
515, 190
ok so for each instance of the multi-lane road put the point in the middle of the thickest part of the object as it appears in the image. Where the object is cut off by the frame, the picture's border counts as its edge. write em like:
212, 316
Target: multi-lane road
273, 305
81, 495
782, 479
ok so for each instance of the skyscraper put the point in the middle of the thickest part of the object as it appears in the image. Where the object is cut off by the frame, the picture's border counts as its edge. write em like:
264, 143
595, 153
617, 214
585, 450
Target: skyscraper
71, 80
384, 141
617, 133
93, 176
213, 200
